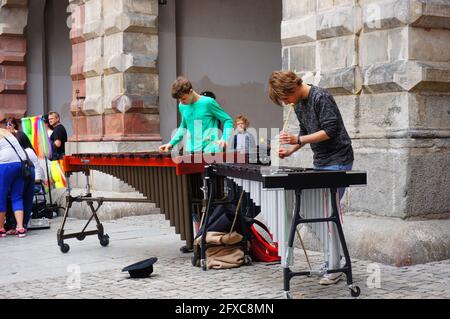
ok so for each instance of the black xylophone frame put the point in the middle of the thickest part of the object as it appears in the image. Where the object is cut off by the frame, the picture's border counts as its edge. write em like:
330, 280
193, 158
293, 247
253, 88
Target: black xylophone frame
288, 274
211, 174
217, 192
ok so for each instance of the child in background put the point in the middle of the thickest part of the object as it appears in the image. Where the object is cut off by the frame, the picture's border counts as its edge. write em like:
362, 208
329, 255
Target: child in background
243, 141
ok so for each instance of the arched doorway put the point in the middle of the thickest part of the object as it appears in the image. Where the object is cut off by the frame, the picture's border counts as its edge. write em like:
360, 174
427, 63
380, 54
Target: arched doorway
49, 58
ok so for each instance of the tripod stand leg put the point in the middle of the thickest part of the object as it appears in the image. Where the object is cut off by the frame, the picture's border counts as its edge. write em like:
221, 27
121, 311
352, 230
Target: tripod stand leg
60, 234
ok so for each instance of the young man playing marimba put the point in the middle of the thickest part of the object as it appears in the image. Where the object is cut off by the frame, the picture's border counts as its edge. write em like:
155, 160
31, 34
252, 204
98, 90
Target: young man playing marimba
200, 116
321, 125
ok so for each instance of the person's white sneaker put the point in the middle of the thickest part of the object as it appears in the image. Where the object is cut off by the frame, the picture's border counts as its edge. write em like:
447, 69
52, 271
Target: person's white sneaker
330, 279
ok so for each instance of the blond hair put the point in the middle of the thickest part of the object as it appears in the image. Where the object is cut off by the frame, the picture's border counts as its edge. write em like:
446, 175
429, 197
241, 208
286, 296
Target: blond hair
283, 84
242, 118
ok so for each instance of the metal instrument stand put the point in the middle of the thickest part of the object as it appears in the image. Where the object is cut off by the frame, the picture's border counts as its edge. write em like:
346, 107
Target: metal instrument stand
210, 198
100, 232
296, 220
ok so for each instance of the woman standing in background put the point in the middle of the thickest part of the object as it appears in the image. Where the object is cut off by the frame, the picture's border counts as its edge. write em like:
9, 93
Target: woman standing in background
11, 180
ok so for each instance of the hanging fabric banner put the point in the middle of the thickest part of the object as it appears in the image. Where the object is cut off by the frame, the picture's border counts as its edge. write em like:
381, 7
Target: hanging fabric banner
36, 131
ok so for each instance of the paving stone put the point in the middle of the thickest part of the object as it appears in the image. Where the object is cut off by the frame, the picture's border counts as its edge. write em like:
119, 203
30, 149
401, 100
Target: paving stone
174, 277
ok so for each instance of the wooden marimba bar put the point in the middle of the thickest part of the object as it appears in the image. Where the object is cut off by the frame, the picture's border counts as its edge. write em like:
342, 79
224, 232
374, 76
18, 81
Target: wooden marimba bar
177, 196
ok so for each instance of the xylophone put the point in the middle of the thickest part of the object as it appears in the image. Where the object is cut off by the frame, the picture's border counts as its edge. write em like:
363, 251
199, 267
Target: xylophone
288, 197
173, 184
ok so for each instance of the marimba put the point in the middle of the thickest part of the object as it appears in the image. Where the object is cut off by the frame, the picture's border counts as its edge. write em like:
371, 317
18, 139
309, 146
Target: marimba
288, 197
173, 183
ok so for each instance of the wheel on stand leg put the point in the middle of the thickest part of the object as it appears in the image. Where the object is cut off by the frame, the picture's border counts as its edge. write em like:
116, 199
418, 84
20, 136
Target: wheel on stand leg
247, 260
64, 248
203, 264
287, 295
355, 291
104, 240
195, 260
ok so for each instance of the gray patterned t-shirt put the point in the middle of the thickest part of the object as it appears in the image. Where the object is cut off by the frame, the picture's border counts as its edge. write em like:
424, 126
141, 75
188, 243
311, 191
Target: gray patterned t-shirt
320, 112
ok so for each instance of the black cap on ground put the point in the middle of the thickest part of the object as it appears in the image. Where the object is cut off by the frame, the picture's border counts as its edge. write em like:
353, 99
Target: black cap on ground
141, 269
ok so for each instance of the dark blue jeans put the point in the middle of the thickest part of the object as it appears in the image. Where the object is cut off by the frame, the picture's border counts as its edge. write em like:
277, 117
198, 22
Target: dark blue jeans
11, 182
27, 197
347, 167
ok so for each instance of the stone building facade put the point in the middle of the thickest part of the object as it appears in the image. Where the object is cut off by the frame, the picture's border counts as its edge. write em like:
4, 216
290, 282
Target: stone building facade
13, 19
116, 43
387, 63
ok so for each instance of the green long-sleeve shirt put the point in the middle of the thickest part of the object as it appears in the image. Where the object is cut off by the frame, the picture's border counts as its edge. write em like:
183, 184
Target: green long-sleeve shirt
201, 121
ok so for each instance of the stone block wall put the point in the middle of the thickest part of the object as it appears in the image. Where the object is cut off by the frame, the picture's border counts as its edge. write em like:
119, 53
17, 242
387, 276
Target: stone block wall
77, 108
114, 69
387, 63
115, 49
13, 75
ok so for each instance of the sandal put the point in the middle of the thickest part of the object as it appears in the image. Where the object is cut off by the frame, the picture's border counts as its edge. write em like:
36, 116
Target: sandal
21, 232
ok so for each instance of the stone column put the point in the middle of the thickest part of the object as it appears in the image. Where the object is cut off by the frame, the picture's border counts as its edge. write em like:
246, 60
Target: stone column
81, 130
13, 19
404, 109
131, 80
115, 49
387, 63
93, 106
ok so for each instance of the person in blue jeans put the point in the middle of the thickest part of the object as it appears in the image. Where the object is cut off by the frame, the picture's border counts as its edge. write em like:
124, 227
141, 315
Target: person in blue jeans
11, 180
321, 126
29, 186
37, 175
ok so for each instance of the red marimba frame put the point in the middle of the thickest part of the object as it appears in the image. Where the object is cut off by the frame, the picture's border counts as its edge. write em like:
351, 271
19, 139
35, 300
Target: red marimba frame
174, 184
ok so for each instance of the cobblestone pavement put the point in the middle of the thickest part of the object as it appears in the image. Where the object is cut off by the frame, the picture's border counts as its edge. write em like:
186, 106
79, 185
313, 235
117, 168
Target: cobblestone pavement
34, 267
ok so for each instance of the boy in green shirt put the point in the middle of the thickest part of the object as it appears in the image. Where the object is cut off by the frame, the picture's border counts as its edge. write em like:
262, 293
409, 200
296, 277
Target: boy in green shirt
200, 116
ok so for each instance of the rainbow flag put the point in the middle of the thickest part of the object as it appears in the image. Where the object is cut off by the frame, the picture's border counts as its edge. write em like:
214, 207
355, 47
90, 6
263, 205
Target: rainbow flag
57, 173
36, 132
45, 148
26, 127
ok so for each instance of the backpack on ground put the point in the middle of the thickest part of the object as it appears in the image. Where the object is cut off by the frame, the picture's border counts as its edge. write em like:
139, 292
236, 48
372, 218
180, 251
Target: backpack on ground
262, 247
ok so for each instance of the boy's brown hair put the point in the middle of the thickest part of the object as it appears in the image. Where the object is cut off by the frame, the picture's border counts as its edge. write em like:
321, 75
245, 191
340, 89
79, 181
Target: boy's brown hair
180, 87
242, 118
283, 84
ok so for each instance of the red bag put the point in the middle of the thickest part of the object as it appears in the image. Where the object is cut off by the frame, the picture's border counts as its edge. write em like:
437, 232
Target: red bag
260, 248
